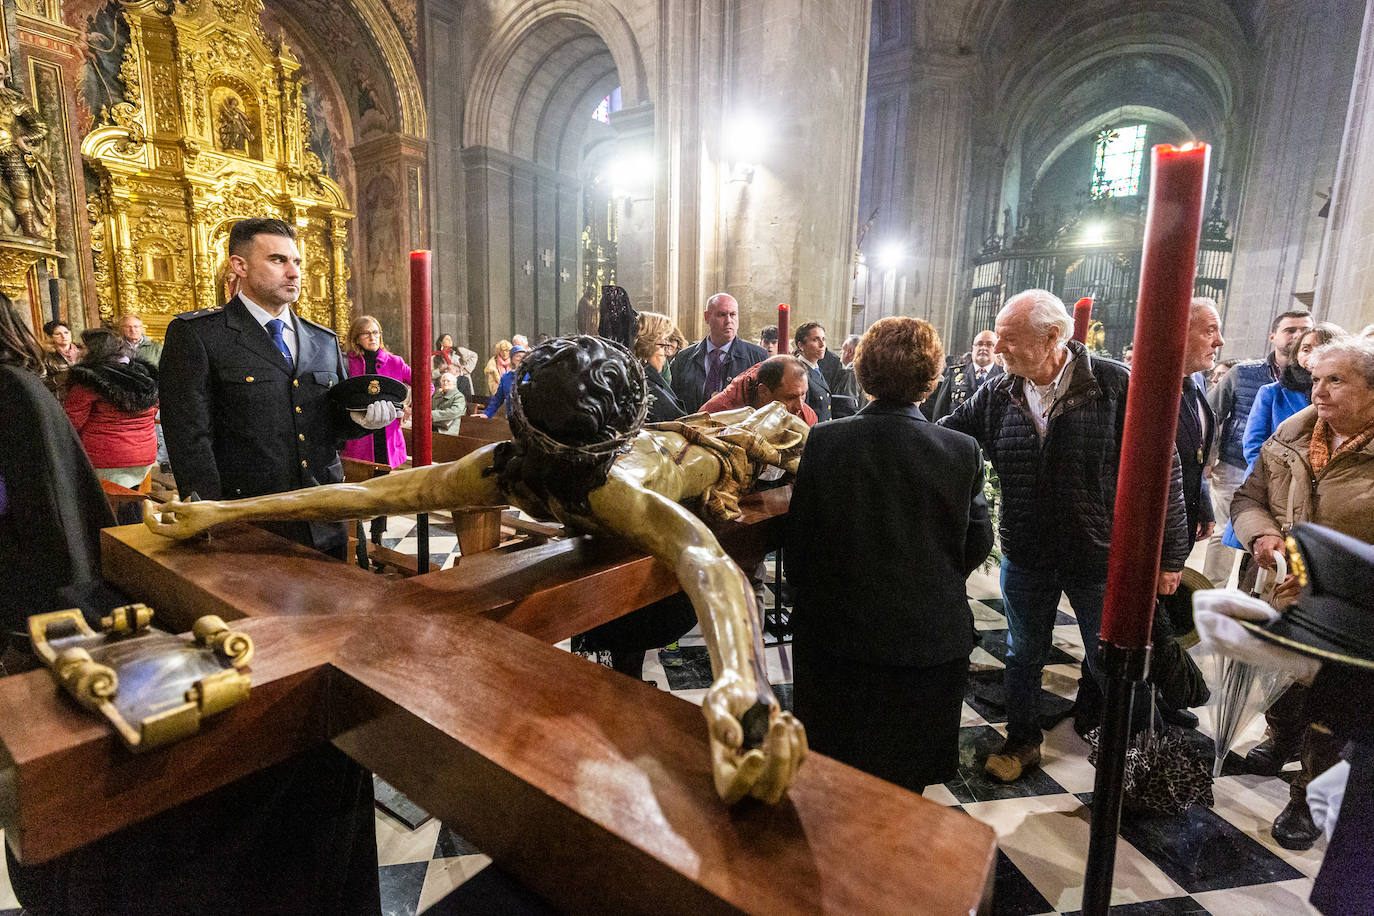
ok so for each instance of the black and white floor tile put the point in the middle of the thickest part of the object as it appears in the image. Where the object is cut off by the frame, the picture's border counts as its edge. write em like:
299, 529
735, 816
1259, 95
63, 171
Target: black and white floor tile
1220, 860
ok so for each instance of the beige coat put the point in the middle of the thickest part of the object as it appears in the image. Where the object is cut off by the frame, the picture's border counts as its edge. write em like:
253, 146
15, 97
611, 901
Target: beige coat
1280, 492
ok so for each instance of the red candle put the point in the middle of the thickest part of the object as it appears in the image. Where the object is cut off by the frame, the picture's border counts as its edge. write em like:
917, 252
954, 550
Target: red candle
1082, 314
1172, 225
420, 428
784, 340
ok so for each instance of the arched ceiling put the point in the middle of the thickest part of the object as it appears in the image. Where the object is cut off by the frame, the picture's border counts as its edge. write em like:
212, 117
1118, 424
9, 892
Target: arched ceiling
553, 78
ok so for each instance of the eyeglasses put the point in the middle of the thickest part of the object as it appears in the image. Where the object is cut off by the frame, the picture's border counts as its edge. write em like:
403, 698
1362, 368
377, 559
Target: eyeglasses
668, 346
373, 333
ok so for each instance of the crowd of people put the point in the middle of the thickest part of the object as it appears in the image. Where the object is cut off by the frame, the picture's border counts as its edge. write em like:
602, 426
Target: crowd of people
888, 516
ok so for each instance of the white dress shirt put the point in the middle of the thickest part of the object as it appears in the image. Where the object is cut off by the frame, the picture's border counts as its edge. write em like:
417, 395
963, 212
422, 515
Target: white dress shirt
288, 332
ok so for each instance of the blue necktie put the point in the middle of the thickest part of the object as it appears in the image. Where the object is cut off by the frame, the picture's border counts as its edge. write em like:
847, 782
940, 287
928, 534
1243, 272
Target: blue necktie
275, 327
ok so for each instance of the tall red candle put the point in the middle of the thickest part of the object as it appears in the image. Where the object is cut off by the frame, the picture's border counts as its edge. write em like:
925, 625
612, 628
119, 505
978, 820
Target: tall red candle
784, 332
1172, 225
1082, 315
420, 428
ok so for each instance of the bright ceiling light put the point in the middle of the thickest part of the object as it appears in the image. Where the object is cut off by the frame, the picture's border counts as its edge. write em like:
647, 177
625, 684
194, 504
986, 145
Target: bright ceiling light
890, 256
746, 139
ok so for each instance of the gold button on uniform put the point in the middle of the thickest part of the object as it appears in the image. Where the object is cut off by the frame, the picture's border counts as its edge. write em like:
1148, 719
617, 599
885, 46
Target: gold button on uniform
302, 464
300, 436
248, 378
298, 410
295, 383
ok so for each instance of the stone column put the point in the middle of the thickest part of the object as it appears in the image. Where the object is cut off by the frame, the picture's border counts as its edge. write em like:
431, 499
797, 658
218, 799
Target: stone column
1306, 51
634, 264
938, 153
393, 220
782, 231
1345, 273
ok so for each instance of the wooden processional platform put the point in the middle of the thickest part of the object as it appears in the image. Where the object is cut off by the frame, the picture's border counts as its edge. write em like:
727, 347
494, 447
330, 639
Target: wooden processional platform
592, 788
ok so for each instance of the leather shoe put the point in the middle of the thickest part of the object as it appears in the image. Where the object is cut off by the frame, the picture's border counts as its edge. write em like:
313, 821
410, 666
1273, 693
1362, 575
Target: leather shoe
1183, 718
1014, 760
1267, 758
1293, 828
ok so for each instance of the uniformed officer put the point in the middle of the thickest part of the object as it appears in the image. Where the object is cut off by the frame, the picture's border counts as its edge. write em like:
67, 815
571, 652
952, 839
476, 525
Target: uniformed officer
244, 405
810, 349
961, 381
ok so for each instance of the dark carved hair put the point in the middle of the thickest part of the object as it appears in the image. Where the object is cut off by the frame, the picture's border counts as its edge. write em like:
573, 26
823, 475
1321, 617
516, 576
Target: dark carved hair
18, 346
576, 404
245, 230
104, 347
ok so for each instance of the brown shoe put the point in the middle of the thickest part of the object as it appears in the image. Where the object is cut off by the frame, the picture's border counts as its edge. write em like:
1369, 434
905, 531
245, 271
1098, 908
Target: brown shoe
1014, 760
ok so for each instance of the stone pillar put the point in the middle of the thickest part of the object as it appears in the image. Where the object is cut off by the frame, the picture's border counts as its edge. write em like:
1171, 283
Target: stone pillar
447, 238
938, 153
1306, 51
783, 231
634, 263
1345, 274
393, 220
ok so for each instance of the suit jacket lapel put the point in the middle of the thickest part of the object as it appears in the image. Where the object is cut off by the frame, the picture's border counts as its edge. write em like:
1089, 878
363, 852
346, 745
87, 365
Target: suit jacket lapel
252, 335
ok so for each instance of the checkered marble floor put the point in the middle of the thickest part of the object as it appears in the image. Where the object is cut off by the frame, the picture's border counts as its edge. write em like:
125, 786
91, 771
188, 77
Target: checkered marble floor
1220, 860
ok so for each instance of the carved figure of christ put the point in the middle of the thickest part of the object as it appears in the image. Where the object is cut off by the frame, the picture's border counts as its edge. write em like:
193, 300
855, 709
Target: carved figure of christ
756, 747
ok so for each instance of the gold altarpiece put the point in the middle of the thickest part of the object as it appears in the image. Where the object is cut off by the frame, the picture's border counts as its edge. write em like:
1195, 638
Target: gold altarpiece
213, 129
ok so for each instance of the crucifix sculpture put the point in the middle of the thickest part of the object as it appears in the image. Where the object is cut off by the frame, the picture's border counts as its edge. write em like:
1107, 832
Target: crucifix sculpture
446, 686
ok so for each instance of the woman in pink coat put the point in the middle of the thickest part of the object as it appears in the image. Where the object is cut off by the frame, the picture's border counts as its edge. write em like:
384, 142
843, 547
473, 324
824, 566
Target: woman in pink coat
368, 356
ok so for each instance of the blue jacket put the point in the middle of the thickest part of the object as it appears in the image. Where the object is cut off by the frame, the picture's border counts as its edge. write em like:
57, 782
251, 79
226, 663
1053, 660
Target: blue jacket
1231, 401
502, 392
1273, 404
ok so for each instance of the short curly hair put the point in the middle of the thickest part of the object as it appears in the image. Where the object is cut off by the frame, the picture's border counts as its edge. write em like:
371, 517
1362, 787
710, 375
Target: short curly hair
650, 329
899, 359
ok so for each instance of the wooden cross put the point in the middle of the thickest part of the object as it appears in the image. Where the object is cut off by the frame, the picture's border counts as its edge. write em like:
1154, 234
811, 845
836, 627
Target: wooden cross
449, 687
547, 257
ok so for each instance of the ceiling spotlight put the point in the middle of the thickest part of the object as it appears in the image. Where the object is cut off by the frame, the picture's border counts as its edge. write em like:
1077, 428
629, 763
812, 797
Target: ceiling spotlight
890, 256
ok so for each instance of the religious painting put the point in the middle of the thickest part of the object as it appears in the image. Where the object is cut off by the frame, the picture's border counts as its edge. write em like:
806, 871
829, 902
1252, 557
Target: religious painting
102, 87
380, 214
320, 141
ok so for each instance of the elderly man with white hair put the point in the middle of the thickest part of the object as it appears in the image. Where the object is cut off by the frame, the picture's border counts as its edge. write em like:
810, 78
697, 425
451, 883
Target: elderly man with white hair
1052, 427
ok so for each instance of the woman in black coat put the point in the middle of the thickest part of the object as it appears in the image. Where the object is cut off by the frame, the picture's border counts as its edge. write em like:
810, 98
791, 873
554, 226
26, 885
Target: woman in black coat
881, 644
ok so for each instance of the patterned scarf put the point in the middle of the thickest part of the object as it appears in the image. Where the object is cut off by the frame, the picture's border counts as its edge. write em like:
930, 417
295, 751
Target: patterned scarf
1319, 449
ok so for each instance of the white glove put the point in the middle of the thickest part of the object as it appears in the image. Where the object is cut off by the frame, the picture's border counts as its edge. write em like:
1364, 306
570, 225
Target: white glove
377, 415
1216, 610
1324, 797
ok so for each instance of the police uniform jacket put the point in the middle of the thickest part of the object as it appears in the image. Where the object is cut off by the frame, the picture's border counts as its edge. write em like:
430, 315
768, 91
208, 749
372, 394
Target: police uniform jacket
957, 386
238, 422
818, 393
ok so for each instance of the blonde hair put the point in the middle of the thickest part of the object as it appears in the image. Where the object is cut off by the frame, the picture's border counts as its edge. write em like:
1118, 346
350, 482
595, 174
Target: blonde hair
651, 328
356, 327
502, 348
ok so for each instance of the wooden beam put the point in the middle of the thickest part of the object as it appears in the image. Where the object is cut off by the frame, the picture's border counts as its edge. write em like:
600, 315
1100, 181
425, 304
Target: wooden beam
593, 788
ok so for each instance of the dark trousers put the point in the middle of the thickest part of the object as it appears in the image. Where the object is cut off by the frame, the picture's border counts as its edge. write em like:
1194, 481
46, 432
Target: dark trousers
651, 627
1294, 729
897, 723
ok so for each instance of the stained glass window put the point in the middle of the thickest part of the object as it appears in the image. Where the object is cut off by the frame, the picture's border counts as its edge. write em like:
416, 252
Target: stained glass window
602, 112
1119, 157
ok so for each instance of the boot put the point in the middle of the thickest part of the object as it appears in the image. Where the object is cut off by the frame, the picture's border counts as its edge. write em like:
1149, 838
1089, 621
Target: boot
1294, 829
1267, 758
1016, 758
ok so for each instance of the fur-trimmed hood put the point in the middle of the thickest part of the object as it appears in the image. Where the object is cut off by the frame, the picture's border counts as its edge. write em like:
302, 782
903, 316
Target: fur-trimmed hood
130, 387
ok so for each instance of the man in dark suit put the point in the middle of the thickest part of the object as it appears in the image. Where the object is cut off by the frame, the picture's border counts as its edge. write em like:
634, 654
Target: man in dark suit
704, 369
961, 381
1197, 424
243, 388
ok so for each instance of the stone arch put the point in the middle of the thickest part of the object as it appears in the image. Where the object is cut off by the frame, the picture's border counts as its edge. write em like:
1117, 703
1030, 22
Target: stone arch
1106, 118
534, 29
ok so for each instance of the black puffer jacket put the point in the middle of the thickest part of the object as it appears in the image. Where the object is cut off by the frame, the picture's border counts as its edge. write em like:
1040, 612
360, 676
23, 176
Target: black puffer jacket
1058, 495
